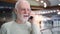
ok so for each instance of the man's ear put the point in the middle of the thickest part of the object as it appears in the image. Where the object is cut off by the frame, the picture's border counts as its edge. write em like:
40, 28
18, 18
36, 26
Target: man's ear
15, 11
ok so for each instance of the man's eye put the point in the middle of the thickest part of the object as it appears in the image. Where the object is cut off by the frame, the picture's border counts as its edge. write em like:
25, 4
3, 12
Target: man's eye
22, 9
25, 9
29, 9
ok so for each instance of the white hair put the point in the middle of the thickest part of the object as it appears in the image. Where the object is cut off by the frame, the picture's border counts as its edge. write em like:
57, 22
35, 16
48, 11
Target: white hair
20, 1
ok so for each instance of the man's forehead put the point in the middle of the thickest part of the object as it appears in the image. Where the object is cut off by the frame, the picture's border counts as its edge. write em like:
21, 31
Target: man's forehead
23, 5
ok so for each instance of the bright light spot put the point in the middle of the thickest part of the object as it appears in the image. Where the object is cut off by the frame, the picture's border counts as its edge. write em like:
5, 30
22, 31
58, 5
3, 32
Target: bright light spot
58, 13
51, 11
37, 0
54, 10
45, 5
48, 11
42, 1
57, 10
43, 12
59, 4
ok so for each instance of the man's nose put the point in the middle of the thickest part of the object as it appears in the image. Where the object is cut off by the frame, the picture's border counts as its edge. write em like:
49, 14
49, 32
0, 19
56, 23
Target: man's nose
26, 11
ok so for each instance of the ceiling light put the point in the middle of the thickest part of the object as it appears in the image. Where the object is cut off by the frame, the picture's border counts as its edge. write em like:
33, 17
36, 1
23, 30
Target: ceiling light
42, 1
45, 5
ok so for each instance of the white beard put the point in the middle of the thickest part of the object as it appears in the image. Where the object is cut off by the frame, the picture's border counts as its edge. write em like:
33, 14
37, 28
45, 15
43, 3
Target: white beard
21, 17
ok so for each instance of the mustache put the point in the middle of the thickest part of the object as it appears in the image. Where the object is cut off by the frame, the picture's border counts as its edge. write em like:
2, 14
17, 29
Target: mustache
26, 15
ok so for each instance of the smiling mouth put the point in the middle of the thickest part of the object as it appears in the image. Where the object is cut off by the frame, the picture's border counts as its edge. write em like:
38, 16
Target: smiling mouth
26, 16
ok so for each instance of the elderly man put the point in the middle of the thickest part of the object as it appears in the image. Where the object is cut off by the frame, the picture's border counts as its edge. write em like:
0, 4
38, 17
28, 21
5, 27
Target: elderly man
20, 25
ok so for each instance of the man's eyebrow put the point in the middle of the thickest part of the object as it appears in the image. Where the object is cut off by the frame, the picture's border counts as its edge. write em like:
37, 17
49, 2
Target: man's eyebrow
24, 8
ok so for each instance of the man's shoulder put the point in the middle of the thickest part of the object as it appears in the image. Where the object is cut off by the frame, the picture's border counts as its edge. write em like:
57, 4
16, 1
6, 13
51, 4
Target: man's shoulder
7, 24
28, 24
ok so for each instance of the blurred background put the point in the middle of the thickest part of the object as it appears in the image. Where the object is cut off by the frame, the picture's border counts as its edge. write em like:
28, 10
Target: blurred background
49, 9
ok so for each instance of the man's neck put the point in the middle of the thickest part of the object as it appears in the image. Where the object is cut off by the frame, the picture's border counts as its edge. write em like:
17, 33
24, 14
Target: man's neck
19, 21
